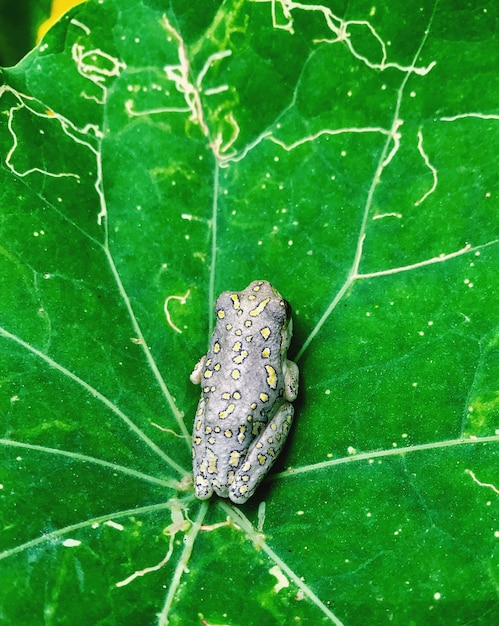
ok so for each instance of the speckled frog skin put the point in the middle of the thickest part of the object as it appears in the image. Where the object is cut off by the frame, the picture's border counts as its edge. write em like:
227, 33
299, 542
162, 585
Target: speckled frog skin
247, 385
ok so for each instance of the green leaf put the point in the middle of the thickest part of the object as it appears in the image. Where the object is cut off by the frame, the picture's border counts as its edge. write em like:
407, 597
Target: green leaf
154, 154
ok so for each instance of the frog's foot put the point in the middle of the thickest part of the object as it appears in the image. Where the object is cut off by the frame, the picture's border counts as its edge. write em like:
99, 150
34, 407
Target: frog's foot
262, 454
203, 487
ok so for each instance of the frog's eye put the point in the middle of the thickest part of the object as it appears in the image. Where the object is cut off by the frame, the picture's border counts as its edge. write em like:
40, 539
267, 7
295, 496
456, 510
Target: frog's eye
281, 312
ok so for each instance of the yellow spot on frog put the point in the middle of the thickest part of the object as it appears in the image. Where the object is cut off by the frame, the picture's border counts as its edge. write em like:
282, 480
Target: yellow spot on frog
265, 332
271, 377
242, 432
212, 462
202, 482
234, 458
257, 429
240, 357
235, 300
257, 310
223, 414
221, 314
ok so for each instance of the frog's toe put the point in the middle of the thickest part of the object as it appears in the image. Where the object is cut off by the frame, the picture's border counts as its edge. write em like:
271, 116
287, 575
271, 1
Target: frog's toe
203, 488
240, 495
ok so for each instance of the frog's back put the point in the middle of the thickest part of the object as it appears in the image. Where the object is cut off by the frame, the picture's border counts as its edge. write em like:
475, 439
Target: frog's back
243, 374
246, 386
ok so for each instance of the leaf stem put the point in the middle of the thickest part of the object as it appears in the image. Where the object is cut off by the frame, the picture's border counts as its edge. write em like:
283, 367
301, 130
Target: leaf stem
189, 540
367, 456
75, 456
211, 293
98, 395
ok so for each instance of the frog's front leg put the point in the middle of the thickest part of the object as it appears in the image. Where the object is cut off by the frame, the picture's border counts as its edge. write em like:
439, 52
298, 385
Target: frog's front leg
197, 373
291, 378
262, 454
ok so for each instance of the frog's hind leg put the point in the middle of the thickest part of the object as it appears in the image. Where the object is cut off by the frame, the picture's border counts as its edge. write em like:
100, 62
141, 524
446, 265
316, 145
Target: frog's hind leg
262, 454
203, 479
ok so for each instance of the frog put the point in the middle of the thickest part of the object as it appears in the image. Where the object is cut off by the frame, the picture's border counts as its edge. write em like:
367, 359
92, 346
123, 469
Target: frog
248, 385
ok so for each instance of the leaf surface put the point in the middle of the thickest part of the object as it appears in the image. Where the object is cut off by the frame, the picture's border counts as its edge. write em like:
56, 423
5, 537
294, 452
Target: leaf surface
155, 155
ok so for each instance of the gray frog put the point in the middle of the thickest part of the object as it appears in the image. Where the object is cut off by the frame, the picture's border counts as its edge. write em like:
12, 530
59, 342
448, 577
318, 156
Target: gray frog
247, 384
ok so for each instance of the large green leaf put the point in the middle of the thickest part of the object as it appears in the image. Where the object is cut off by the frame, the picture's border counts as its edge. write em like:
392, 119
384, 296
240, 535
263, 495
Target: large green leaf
156, 153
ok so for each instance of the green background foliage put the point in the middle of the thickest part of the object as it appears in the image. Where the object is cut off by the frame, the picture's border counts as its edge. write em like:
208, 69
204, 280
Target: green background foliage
19, 23
154, 154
